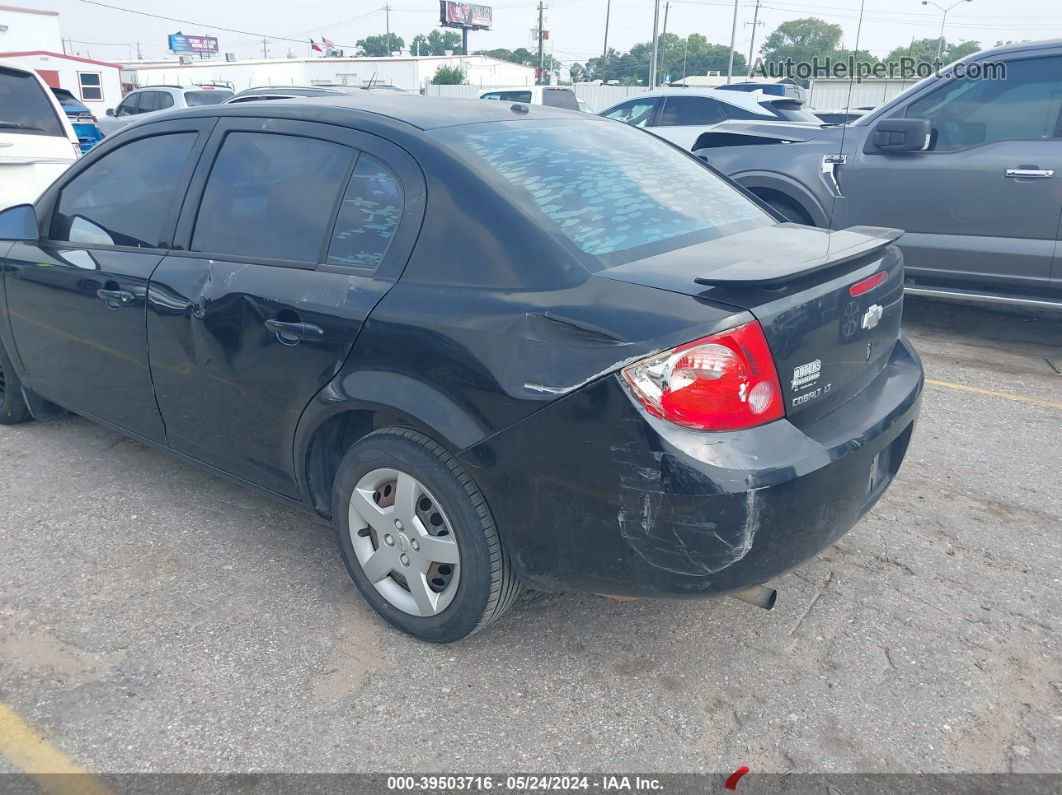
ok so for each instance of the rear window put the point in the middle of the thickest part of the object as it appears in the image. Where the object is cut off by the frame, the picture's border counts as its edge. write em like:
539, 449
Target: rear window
196, 98
616, 193
25, 107
560, 98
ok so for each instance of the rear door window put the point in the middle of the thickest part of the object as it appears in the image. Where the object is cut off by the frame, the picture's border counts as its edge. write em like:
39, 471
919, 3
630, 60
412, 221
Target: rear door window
25, 108
560, 98
368, 217
689, 111
270, 197
514, 96
196, 98
149, 101
125, 198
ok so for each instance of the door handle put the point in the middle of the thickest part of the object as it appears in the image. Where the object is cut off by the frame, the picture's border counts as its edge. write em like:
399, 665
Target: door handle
1029, 173
291, 333
115, 299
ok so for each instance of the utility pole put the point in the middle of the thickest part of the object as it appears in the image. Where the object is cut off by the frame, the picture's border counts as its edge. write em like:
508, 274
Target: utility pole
685, 51
265, 47
752, 44
387, 18
604, 49
733, 39
541, 52
139, 55
943, 19
663, 50
656, 42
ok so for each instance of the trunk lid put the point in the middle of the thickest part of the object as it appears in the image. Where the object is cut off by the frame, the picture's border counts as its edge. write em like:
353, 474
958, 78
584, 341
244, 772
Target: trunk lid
797, 281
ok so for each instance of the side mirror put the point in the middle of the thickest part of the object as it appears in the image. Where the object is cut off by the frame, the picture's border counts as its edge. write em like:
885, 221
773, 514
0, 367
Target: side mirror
19, 223
110, 111
899, 135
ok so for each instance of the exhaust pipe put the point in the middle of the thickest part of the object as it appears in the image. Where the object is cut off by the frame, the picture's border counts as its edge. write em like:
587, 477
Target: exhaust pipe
759, 595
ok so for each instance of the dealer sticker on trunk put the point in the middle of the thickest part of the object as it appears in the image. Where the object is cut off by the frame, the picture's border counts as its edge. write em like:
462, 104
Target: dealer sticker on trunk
805, 374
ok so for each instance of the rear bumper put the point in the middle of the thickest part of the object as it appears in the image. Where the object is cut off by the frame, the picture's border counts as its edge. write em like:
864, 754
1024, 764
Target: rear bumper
593, 494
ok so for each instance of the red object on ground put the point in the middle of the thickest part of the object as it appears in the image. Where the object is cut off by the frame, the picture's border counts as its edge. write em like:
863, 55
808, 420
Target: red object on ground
735, 777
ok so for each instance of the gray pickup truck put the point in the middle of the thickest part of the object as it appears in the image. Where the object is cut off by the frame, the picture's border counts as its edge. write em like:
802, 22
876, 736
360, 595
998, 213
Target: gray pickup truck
970, 167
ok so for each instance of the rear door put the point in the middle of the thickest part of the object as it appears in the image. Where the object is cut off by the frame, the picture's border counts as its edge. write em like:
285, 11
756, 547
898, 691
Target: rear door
35, 146
76, 298
639, 112
291, 233
982, 205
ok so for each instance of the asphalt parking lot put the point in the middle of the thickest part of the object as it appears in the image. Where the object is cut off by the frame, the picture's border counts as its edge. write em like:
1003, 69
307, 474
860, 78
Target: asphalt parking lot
153, 617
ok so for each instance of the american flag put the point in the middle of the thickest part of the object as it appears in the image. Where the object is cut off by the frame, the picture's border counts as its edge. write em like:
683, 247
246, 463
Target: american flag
327, 43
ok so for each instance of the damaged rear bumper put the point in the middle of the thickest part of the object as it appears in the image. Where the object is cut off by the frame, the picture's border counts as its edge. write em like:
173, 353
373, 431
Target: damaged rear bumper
591, 493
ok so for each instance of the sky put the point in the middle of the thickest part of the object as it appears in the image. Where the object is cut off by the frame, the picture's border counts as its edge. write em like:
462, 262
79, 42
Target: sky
577, 27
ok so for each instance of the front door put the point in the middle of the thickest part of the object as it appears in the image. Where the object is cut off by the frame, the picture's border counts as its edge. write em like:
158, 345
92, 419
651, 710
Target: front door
288, 233
76, 298
983, 203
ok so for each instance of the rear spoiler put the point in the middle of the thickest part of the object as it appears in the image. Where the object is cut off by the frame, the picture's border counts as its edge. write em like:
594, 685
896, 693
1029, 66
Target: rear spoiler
799, 257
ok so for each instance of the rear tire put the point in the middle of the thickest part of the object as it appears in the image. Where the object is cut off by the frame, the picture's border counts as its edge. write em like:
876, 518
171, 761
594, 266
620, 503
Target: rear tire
418, 538
13, 408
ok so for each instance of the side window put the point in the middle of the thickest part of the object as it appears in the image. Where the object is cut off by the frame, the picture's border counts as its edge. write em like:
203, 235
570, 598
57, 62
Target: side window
124, 198
515, 96
149, 101
635, 113
681, 111
89, 83
165, 100
368, 217
1023, 107
492, 95
270, 196
130, 105
735, 112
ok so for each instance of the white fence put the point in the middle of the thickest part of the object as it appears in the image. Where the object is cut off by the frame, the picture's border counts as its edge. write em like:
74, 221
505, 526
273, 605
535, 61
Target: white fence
597, 97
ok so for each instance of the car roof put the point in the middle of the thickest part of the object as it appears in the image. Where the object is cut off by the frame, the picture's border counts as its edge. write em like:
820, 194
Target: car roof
425, 113
743, 99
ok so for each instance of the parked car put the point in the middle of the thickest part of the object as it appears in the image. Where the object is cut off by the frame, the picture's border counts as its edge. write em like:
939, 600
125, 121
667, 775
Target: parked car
81, 119
289, 92
553, 96
685, 116
968, 167
781, 89
144, 102
604, 368
37, 142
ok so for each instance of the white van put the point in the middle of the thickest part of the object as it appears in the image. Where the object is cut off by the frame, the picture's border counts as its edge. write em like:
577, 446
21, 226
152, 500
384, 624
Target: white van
553, 96
37, 143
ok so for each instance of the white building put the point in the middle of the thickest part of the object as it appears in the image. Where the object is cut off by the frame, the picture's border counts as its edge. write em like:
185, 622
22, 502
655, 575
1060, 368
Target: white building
96, 83
406, 72
24, 29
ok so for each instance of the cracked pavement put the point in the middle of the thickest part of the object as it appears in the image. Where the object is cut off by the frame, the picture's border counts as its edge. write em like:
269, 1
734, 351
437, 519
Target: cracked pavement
156, 618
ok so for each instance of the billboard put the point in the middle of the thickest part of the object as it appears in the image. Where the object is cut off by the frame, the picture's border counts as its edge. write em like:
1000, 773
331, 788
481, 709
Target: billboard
178, 42
464, 15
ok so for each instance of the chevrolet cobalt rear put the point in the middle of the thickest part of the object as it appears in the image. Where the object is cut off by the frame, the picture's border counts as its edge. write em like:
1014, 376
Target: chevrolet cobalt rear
495, 345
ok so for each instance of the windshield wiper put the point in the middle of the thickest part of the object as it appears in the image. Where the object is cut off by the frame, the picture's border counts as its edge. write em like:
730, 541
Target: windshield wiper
14, 125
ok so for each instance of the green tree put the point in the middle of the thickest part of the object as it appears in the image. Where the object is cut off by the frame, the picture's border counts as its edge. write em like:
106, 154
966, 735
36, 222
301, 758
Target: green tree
925, 51
677, 56
522, 55
449, 76
380, 46
436, 43
802, 40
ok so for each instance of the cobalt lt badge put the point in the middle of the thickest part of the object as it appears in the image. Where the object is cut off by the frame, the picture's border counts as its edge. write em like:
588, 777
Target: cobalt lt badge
872, 316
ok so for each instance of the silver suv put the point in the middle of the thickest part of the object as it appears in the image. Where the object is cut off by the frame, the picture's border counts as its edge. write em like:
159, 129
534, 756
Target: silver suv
150, 100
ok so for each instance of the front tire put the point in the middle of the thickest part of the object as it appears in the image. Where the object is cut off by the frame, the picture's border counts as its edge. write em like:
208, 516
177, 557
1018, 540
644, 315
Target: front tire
418, 538
13, 408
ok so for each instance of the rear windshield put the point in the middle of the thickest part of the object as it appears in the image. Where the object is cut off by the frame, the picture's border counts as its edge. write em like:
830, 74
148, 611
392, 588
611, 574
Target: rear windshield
196, 98
25, 107
616, 193
560, 98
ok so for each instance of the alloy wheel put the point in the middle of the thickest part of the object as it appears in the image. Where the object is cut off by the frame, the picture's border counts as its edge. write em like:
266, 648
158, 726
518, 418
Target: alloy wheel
404, 542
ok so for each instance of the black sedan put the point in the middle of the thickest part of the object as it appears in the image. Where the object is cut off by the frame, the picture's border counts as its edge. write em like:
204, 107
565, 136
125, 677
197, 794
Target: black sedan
496, 345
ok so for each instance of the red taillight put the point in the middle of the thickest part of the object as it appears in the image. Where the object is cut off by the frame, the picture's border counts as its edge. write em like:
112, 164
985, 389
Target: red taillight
719, 383
868, 284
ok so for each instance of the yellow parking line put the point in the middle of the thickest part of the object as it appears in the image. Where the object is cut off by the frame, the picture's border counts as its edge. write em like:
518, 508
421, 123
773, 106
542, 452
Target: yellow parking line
988, 392
54, 771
